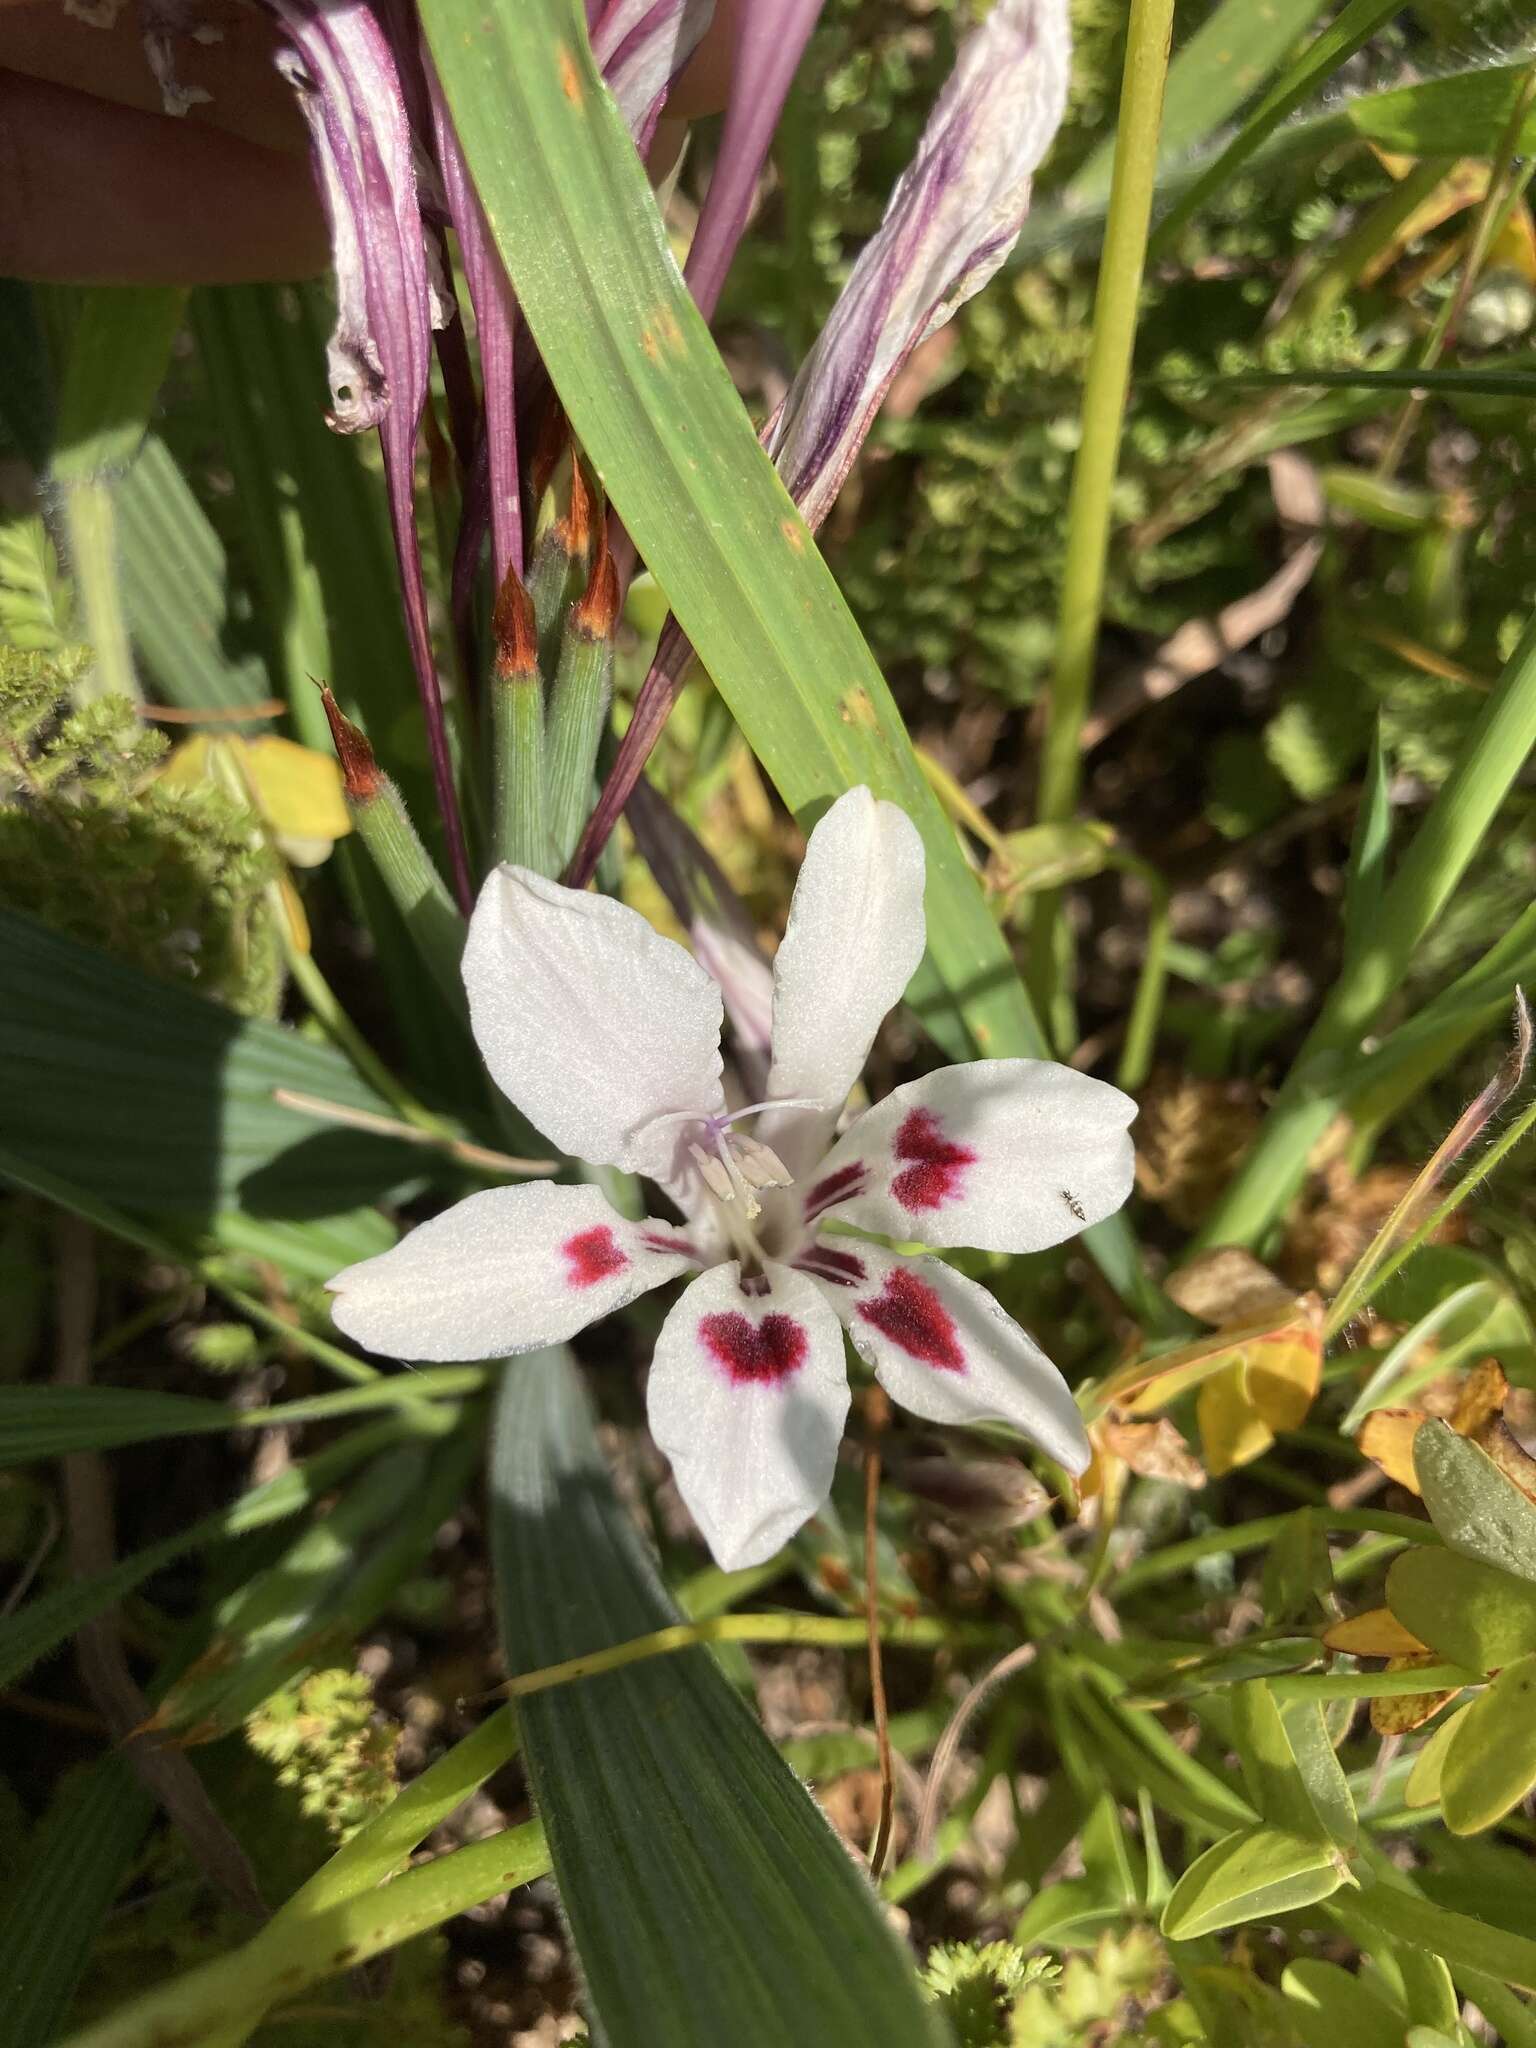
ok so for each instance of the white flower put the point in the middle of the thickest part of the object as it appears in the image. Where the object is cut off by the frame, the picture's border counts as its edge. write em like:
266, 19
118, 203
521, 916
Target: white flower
607, 1038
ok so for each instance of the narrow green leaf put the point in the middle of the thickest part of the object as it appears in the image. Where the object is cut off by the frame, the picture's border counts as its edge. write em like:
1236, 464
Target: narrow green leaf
1463, 114
1464, 1942
578, 705
1228, 57
119, 351
161, 1102
1252, 1875
576, 224
708, 1900
1354, 26
1472, 1613
43, 1624
1370, 846
1475, 1508
177, 594
1306, 1731
1269, 1766
285, 1959
51, 1912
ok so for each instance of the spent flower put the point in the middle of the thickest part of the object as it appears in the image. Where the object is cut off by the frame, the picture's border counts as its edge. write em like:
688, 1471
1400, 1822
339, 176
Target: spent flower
606, 1036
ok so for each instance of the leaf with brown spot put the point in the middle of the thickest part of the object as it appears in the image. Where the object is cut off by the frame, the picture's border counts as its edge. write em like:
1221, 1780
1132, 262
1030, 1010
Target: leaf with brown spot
1409, 1710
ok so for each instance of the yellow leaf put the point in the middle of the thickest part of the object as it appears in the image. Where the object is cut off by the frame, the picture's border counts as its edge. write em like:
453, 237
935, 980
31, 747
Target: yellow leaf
1482, 1393
1386, 1438
293, 910
299, 793
1514, 247
188, 763
1376, 1633
1285, 1370
1232, 1432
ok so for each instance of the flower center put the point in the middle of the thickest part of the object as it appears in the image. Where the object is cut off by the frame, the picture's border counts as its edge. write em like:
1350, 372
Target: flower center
733, 1166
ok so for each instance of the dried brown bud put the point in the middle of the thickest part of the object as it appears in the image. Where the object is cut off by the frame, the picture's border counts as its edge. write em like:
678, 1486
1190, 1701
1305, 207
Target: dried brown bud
516, 630
576, 526
362, 777
597, 609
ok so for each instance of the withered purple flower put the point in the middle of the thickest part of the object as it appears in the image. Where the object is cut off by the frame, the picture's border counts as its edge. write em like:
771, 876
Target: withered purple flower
952, 219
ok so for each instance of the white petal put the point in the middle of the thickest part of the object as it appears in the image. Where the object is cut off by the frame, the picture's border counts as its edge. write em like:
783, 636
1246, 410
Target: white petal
854, 939
1005, 1155
589, 1020
941, 1347
505, 1271
748, 1395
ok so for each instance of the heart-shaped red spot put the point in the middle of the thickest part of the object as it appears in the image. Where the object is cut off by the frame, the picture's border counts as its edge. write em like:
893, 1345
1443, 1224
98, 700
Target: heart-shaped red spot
910, 1313
592, 1255
933, 1178
755, 1354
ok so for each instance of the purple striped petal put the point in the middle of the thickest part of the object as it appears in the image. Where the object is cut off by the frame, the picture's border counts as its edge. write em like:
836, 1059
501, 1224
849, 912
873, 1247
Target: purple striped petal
952, 219
640, 47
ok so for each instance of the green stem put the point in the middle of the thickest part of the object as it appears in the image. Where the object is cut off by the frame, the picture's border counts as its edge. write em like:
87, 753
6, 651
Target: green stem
1090, 507
90, 521
411, 877
1178, 1557
1372, 1685
1147, 1004
517, 814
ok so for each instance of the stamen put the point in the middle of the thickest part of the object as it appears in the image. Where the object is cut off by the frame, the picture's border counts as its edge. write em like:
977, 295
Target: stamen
761, 1165
715, 1176
727, 1157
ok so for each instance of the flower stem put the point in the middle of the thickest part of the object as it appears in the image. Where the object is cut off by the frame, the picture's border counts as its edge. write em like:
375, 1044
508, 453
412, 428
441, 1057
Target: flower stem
1089, 509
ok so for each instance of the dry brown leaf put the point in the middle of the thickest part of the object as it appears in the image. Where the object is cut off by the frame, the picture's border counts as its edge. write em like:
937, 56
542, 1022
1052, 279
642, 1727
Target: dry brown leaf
1376, 1633
1155, 1450
1227, 1285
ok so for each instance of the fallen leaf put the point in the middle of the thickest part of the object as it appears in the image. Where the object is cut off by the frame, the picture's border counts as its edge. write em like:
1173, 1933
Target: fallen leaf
1155, 1450
1232, 1432
1376, 1633
1386, 1438
1228, 1285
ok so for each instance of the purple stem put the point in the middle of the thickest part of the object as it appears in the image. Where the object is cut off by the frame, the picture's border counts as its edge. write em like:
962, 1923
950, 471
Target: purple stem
771, 36
658, 693
495, 324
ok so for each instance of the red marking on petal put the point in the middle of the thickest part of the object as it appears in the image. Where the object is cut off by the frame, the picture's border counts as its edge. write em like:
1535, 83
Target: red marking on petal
933, 1178
592, 1255
755, 1354
660, 1241
837, 1187
823, 1263
910, 1313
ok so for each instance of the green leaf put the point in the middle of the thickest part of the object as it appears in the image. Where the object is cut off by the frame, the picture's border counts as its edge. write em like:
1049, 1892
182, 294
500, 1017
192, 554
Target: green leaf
176, 592
44, 1623
1354, 26
77, 1857
1472, 1613
1460, 115
576, 223
1252, 1875
1464, 1942
1330, 2005
155, 1100
328, 1586
1306, 1730
1270, 1766
1490, 1765
285, 1959
1475, 1508
1423, 1787
708, 1899
1228, 57
119, 351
